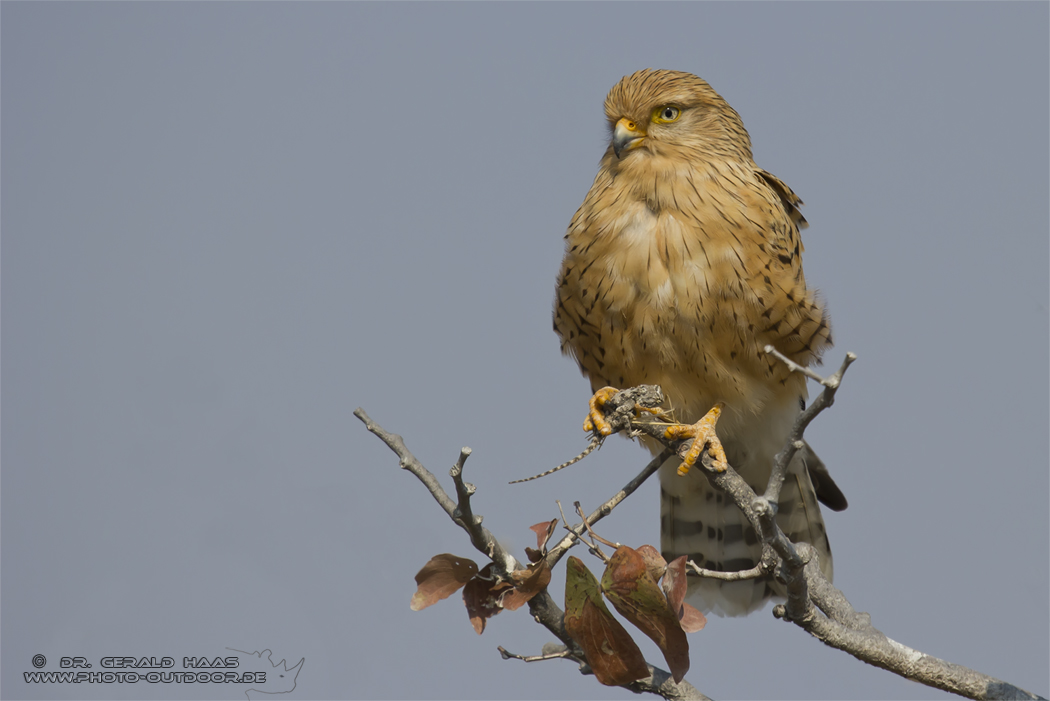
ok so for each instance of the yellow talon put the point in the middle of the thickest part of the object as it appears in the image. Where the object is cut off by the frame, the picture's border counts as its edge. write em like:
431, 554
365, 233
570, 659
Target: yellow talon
703, 434
595, 417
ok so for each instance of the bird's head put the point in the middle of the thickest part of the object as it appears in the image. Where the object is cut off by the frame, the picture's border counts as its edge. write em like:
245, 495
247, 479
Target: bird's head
673, 113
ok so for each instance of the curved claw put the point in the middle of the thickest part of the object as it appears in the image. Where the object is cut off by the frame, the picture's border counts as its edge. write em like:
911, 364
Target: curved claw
703, 435
595, 417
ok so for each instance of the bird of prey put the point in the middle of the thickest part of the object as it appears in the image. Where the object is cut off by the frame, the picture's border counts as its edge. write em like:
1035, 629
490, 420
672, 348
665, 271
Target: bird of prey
681, 265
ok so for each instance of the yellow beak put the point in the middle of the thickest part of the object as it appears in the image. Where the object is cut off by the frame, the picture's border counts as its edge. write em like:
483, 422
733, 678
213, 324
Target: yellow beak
626, 136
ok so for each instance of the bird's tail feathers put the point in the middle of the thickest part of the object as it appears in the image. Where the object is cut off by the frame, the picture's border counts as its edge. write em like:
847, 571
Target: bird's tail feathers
699, 521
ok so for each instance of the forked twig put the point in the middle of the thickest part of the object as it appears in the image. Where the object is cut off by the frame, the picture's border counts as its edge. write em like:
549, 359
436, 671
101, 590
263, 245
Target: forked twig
794, 442
542, 607
813, 603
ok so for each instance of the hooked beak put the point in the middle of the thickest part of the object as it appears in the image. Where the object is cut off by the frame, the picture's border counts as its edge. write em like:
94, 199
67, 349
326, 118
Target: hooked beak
626, 136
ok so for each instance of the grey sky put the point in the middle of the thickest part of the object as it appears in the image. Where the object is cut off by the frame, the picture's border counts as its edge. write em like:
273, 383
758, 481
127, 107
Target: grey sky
225, 226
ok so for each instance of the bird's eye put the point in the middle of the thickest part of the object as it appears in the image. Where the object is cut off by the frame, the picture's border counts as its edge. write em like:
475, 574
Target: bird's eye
666, 114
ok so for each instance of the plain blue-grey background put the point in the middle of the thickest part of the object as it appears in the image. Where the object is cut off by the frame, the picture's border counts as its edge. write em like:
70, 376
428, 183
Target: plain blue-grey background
225, 226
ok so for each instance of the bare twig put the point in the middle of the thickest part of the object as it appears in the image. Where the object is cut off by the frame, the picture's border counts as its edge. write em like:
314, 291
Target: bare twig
795, 367
594, 549
755, 572
595, 538
460, 513
558, 551
794, 442
560, 655
541, 606
463, 515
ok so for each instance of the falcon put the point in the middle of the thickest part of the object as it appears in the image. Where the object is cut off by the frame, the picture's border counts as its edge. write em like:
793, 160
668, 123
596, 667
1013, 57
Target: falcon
681, 265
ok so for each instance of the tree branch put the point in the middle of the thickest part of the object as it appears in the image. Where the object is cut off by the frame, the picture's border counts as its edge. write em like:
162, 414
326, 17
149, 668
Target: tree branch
558, 551
813, 603
754, 573
542, 607
460, 513
794, 442
845, 629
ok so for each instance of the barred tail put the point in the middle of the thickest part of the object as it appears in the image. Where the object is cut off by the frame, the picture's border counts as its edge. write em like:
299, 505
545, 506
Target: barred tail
699, 521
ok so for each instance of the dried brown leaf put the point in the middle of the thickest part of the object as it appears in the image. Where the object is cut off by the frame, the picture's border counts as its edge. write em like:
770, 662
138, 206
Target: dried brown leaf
611, 653
440, 578
692, 619
482, 595
654, 561
527, 583
675, 586
636, 595
544, 531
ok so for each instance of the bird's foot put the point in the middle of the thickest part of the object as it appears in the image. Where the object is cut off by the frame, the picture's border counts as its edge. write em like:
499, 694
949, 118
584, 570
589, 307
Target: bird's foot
596, 421
703, 435
595, 416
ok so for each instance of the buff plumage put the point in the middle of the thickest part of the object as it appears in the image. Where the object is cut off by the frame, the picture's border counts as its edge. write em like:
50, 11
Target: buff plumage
682, 264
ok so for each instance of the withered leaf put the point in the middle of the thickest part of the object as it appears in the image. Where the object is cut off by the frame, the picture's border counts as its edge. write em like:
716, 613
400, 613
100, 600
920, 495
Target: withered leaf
544, 531
482, 596
654, 561
527, 583
512, 599
693, 619
675, 586
440, 578
611, 653
674, 583
637, 596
